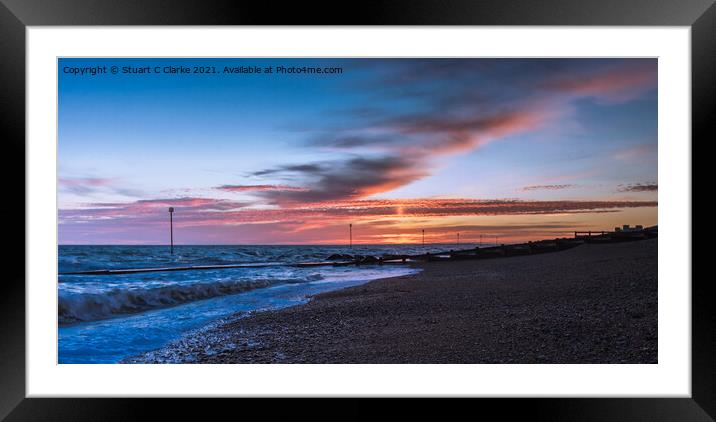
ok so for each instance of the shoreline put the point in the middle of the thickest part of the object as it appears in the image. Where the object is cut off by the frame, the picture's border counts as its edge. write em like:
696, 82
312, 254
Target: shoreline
596, 303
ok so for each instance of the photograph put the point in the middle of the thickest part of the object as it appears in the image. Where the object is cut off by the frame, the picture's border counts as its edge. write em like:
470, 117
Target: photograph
409, 200
357, 210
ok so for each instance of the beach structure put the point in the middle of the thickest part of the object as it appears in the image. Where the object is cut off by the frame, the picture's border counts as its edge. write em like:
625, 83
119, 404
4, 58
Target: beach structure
171, 230
620, 234
627, 228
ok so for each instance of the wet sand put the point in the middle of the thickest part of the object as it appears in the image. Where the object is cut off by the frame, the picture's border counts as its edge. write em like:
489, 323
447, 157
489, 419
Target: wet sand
591, 304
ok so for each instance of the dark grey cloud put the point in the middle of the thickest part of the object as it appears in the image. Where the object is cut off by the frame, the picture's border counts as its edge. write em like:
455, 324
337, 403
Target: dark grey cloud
351, 179
294, 168
639, 187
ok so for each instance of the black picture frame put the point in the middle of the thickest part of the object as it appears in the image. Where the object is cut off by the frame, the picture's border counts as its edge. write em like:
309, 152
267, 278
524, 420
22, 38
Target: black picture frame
16, 15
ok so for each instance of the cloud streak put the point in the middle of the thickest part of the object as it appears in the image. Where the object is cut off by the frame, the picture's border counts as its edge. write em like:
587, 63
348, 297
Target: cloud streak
87, 186
260, 188
547, 187
639, 187
205, 211
636, 152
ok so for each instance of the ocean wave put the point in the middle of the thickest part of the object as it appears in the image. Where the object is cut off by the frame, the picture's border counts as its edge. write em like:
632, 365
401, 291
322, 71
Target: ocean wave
73, 308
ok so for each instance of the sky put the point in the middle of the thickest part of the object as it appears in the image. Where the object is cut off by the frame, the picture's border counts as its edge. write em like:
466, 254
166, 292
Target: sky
521, 149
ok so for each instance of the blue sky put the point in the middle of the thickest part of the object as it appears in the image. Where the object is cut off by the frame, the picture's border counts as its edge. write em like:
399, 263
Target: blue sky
573, 140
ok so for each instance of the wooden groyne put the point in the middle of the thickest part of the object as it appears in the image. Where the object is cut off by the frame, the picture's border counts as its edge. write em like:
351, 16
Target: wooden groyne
165, 269
620, 234
529, 248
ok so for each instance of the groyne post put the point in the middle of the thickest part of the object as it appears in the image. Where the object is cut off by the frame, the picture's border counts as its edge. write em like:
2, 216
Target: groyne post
171, 230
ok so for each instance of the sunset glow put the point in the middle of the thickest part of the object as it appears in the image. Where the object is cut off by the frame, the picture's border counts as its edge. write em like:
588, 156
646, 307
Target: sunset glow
497, 150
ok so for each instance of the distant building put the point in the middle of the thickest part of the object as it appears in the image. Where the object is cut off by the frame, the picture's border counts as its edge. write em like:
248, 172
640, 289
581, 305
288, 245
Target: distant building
627, 228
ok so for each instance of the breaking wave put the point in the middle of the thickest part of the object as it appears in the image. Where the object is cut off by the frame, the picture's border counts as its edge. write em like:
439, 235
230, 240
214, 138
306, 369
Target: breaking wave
92, 306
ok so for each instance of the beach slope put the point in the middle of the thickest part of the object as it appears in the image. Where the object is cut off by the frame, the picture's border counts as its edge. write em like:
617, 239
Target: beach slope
591, 304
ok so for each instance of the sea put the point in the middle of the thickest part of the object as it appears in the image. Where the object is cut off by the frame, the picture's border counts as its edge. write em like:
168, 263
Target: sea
110, 318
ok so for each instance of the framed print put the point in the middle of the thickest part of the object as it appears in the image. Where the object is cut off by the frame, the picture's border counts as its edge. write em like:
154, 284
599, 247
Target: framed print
461, 201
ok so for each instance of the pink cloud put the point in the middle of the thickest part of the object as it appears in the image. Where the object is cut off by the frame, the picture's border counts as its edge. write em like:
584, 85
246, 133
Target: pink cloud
617, 83
455, 135
435, 135
635, 152
83, 181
